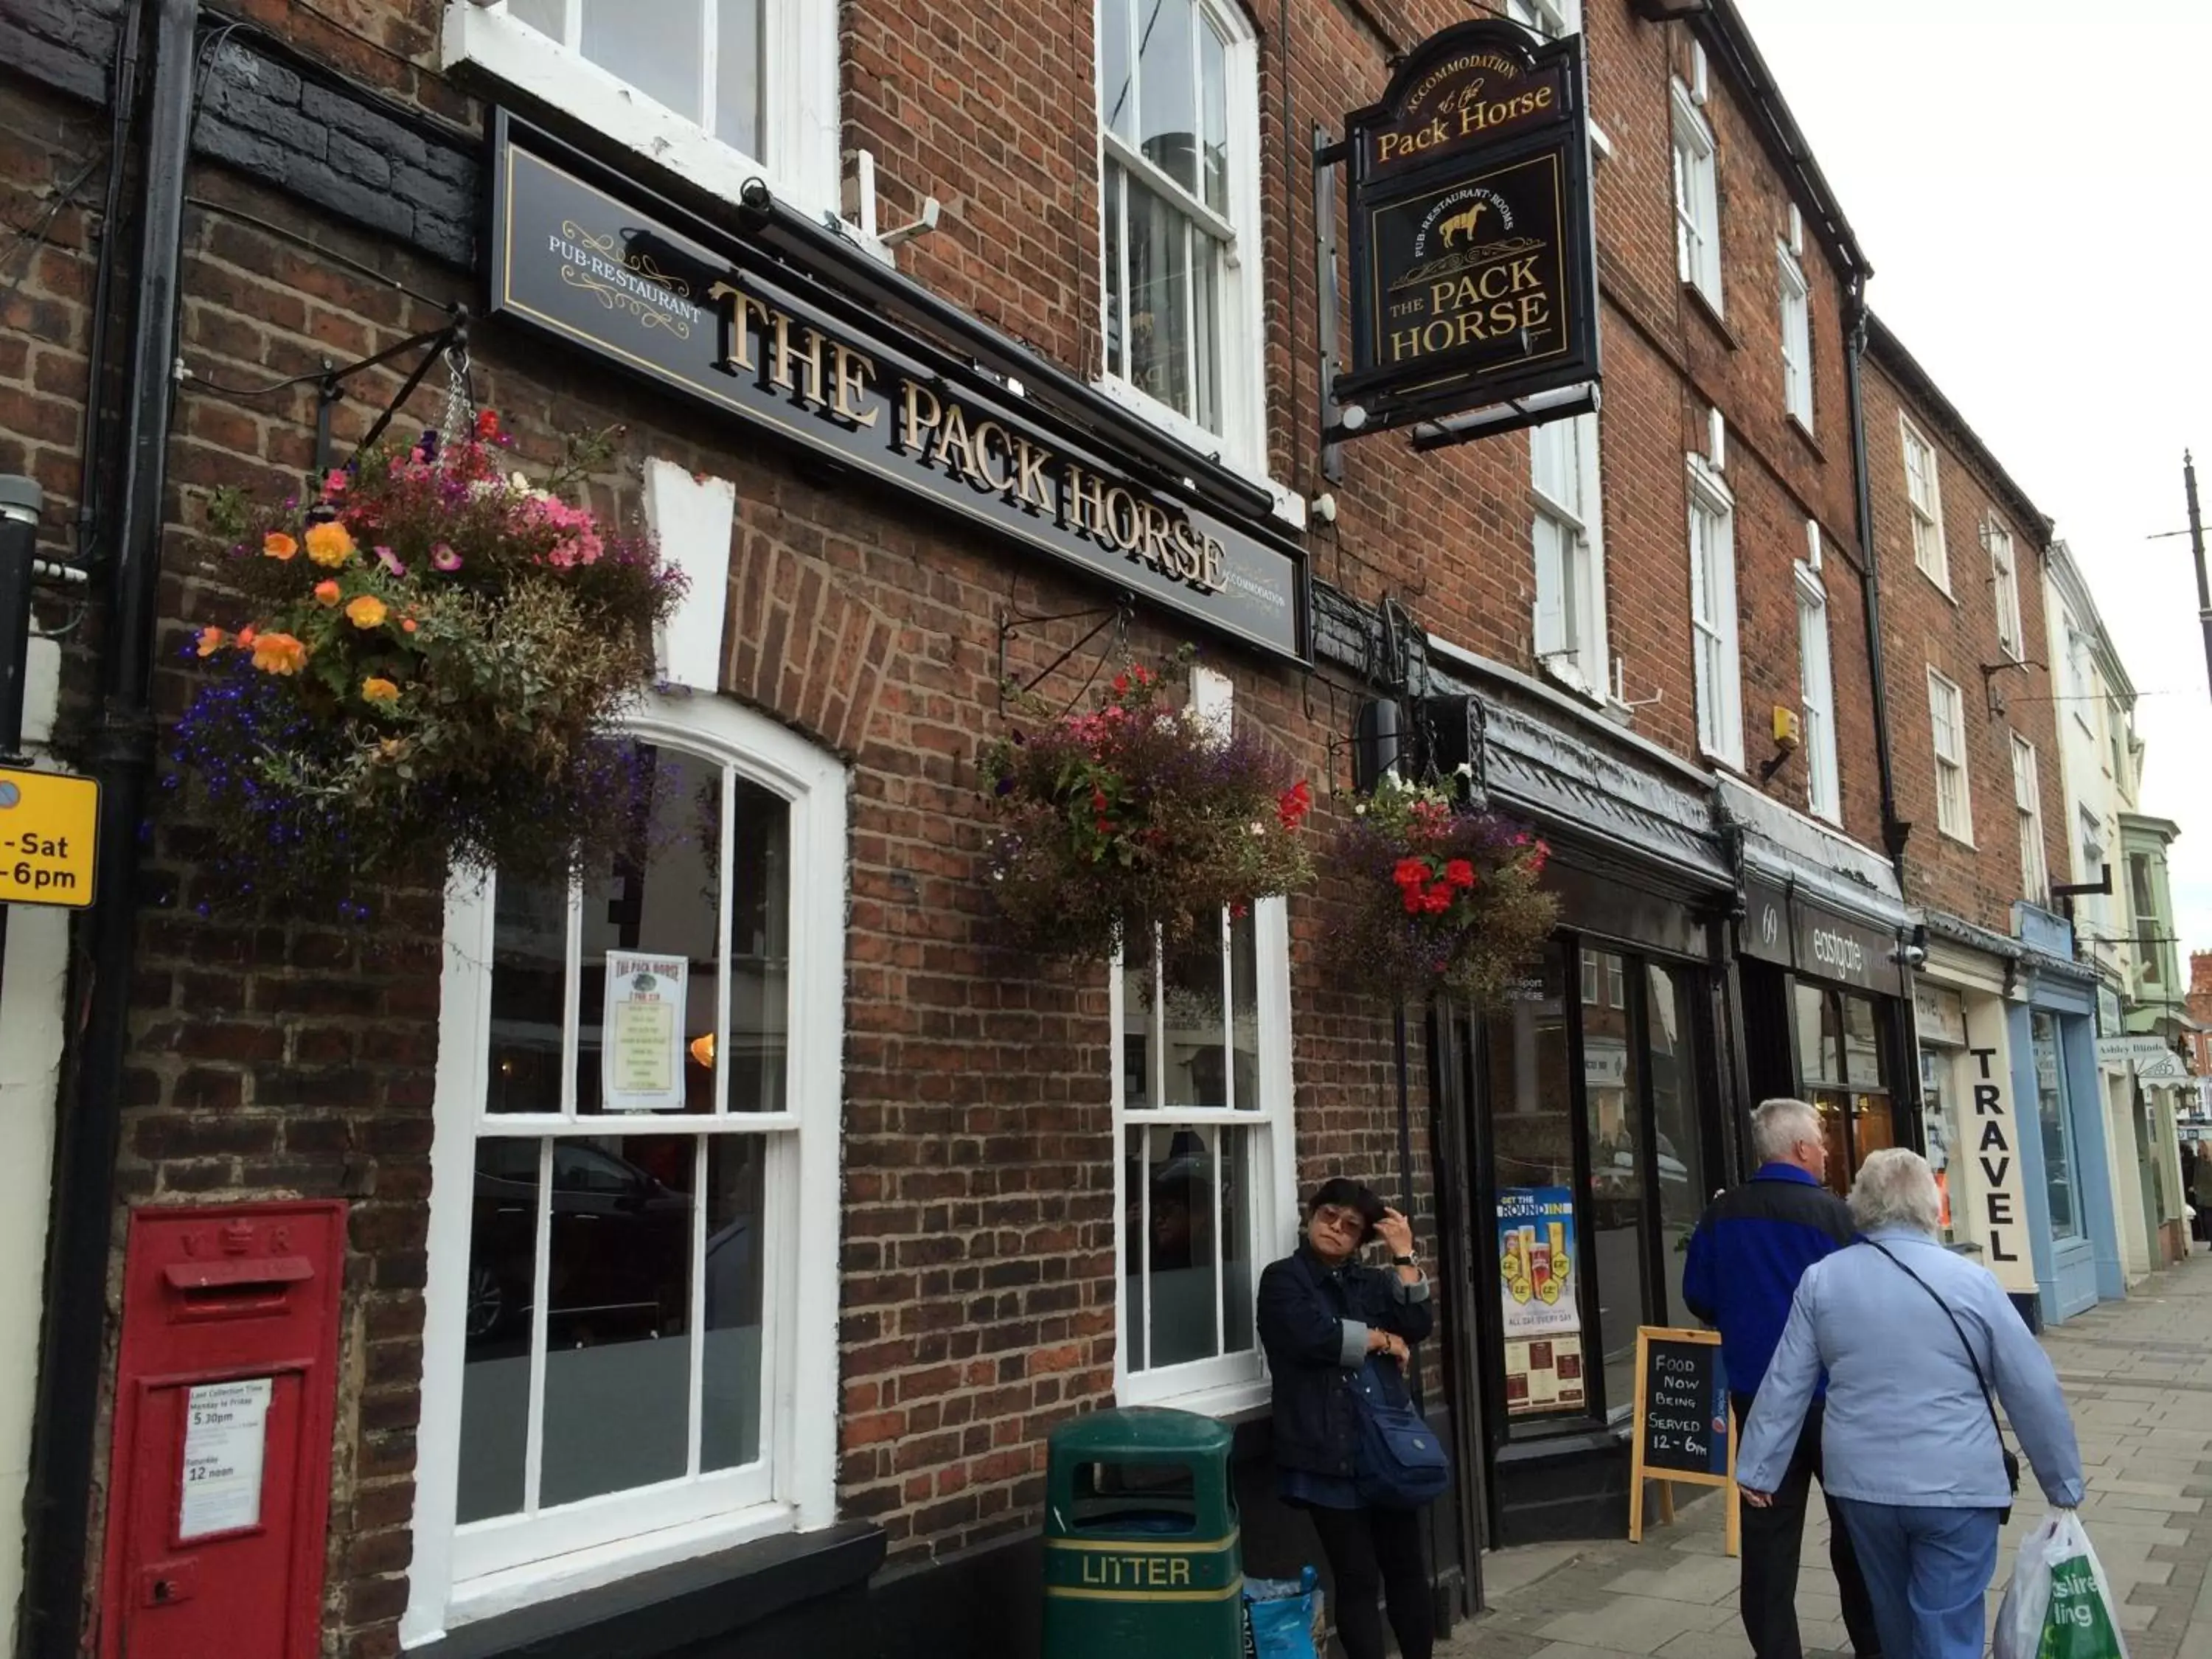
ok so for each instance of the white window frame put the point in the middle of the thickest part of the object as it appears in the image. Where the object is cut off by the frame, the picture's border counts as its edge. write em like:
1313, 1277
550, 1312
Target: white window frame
1797, 338
1554, 19
1713, 620
1928, 551
1817, 690
1697, 198
463, 1573
799, 115
2004, 577
1955, 801
1224, 1383
1241, 325
2027, 804
1568, 552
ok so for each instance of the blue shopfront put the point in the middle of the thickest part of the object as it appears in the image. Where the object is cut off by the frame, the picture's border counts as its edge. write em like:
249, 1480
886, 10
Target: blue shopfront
2065, 1156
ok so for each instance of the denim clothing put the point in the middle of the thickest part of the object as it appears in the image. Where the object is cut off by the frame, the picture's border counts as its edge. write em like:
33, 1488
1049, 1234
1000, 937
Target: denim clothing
1313, 1321
1752, 1246
1906, 1422
1929, 1570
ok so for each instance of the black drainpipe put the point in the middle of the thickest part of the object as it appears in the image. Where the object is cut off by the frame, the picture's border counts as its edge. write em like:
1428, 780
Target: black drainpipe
1894, 831
73, 1334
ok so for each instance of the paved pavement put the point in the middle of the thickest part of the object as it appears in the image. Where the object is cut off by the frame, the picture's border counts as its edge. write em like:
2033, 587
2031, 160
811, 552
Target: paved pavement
2139, 1375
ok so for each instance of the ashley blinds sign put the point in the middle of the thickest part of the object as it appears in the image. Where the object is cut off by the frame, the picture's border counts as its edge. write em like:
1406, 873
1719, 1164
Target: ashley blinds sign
1474, 275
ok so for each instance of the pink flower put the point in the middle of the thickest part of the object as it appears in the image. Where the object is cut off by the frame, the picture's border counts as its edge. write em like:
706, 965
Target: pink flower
445, 558
390, 560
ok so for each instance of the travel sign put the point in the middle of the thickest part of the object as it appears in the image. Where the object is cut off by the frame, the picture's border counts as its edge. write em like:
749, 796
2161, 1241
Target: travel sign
1473, 267
584, 255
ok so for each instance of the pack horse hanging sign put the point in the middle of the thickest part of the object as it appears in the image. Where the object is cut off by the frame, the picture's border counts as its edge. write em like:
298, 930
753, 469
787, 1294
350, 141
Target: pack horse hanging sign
1473, 268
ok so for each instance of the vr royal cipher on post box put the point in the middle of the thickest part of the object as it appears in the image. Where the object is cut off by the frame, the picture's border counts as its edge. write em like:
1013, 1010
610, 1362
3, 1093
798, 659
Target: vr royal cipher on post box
219, 1487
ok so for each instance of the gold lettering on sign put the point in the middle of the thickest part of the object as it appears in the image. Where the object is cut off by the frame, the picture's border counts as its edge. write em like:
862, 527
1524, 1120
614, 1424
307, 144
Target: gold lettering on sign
735, 307
780, 362
849, 379
991, 441
1030, 489
1086, 505
913, 423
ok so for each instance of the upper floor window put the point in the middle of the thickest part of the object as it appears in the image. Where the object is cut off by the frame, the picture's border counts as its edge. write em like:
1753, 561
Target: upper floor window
1697, 198
1178, 117
1712, 613
1924, 496
1947, 713
2092, 907
1570, 550
2149, 926
1552, 19
1816, 680
635, 1185
1202, 1101
1796, 339
2004, 580
2027, 806
717, 91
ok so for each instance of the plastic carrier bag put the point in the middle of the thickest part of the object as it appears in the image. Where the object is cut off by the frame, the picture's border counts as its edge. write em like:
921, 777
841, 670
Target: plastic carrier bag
2059, 1604
1280, 1617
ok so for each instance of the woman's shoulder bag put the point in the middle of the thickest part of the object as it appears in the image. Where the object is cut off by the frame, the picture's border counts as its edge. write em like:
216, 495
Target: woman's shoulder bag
2011, 1461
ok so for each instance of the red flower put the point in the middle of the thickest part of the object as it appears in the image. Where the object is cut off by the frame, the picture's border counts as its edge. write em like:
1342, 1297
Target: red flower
1121, 685
1411, 873
1411, 894
488, 423
1460, 873
1097, 799
1437, 899
1294, 803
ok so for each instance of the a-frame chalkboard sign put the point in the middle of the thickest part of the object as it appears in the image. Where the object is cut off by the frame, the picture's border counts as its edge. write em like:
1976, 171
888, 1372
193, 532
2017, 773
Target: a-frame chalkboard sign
1684, 1433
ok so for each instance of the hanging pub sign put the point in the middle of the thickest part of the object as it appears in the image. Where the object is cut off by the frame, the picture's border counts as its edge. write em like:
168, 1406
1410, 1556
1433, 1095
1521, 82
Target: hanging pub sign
1474, 263
584, 254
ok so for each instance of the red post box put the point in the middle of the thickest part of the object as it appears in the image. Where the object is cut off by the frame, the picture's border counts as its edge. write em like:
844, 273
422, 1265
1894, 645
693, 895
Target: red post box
219, 1484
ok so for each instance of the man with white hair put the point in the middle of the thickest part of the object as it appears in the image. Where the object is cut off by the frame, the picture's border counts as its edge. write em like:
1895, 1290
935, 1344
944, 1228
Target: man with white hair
1918, 1346
1750, 1249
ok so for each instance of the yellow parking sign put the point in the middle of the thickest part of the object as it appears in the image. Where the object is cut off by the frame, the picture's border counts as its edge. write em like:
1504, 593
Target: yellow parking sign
48, 824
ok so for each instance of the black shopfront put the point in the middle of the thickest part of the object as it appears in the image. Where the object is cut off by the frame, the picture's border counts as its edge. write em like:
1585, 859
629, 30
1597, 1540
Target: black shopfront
1824, 998
1581, 1127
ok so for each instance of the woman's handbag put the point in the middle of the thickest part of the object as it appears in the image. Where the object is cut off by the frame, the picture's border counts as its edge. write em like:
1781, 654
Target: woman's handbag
2011, 1461
1401, 1464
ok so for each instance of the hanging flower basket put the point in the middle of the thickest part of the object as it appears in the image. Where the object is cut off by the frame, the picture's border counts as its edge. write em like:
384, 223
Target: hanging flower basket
1137, 813
1444, 897
428, 669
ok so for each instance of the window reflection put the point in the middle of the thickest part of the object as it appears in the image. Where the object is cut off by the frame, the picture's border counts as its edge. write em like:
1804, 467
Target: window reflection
1613, 1103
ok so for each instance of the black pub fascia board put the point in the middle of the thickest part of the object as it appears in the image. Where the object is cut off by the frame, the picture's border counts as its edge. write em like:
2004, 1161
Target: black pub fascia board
584, 254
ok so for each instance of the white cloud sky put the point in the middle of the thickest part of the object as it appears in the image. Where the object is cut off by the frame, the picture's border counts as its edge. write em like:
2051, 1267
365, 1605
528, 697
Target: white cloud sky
2029, 182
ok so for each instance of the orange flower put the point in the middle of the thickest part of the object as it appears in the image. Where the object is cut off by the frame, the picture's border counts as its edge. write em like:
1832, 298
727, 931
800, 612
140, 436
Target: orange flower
367, 611
327, 593
212, 639
377, 689
246, 635
278, 545
407, 625
329, 543
278, 654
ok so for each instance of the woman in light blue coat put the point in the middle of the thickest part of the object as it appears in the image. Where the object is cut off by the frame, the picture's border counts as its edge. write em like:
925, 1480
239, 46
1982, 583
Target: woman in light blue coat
1910, 1447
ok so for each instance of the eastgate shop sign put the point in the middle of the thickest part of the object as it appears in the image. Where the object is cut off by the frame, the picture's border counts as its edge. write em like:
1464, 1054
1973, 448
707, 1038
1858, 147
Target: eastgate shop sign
584, 262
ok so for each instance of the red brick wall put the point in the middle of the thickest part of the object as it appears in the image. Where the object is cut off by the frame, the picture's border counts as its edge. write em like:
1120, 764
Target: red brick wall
979, 1273
1956, 634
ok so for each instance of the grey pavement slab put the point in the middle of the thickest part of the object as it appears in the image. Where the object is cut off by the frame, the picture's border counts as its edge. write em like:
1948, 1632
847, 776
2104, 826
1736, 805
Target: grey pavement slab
2138, 1374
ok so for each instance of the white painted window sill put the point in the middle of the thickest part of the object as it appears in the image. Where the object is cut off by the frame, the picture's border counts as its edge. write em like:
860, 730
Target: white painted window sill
1289, 506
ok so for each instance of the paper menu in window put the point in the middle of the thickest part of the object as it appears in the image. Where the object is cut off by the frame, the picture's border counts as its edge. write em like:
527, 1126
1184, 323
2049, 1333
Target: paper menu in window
641, 1032
226, 1430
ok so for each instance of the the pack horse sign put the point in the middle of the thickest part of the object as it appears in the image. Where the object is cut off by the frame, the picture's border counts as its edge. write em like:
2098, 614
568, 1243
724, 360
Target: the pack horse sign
1474, 269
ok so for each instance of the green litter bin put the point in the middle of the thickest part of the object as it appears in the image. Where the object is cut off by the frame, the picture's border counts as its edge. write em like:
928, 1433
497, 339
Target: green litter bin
1140, 1539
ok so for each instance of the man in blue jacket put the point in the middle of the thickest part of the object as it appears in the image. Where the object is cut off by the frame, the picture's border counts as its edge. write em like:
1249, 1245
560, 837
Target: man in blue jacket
1750, 1249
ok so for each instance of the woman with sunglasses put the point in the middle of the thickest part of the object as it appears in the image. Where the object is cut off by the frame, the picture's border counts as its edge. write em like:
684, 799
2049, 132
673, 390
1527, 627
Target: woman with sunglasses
1323, 1313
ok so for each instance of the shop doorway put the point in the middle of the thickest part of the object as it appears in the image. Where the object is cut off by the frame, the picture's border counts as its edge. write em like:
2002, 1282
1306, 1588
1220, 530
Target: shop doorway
1594, 1144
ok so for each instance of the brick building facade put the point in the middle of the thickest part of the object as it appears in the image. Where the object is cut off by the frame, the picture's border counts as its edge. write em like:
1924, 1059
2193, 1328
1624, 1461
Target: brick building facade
1651, 622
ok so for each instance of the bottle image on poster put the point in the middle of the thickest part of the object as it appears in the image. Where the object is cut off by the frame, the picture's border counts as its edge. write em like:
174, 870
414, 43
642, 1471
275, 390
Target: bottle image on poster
1537, 1285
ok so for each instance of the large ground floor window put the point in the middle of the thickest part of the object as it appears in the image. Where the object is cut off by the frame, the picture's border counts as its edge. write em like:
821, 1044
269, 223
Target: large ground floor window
629, 1341
2055, 1127
1600, 1136
1844, 1070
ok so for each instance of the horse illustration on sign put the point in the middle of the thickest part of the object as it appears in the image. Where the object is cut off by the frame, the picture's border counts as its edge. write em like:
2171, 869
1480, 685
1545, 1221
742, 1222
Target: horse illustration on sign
1463, 224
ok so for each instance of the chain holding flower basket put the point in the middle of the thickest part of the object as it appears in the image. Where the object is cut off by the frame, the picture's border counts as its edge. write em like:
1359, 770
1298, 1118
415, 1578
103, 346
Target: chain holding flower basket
1444, 897
1137, 812
433, 666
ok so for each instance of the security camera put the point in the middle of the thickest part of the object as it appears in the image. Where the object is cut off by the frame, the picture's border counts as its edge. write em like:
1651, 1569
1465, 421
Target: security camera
754, 194
1323, 506
1912, 955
